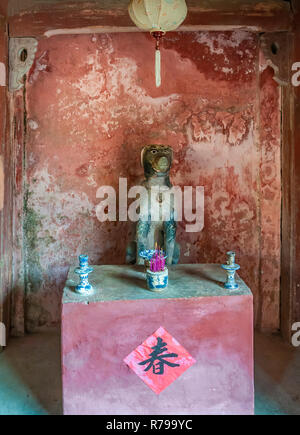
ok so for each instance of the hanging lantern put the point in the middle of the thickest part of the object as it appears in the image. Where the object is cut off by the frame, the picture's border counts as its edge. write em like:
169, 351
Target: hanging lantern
157, 17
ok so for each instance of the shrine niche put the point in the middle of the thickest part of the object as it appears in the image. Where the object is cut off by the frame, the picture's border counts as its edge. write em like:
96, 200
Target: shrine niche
215, 146
101, 105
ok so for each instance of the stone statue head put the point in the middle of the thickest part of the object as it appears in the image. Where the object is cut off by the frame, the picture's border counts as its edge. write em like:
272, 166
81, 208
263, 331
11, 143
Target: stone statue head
156, 160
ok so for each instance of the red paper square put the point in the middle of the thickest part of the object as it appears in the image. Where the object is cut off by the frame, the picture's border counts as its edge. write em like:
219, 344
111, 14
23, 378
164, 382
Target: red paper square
168, 360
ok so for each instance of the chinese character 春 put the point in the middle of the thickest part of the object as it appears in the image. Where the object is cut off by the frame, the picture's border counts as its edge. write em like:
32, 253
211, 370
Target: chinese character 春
160, 357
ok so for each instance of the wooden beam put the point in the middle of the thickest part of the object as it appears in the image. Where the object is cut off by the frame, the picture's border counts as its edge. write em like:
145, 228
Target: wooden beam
52, 17
3, 7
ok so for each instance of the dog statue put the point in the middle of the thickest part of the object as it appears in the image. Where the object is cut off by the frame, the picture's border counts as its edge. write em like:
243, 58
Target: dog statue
156, 229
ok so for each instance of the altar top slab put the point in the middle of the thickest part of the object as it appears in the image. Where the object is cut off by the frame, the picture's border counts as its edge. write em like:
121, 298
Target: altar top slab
114, 283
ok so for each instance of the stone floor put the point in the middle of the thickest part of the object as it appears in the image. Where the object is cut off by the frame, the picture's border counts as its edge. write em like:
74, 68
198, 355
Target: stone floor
30, 376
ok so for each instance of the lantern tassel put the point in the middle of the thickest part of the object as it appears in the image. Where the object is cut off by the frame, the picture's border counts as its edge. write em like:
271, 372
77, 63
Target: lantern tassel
157, 35
158, 68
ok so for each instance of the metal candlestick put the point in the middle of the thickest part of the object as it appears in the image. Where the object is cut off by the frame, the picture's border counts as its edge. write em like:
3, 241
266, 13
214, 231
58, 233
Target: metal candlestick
84, 287
231, 267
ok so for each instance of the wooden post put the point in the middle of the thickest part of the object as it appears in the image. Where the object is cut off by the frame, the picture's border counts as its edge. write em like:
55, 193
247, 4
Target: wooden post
290, 270
5, 186
295, 314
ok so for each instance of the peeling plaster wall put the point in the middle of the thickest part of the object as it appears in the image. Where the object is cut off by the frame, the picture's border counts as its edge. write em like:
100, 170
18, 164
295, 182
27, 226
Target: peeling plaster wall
92, 105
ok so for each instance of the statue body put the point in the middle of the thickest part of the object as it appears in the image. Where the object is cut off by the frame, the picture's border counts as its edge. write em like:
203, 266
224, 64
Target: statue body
159, 228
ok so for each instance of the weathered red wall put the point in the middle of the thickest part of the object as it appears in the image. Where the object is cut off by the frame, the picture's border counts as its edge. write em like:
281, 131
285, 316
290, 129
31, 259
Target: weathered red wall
92, 105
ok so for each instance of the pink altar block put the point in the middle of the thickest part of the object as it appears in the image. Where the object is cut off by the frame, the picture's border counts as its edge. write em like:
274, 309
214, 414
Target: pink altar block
212, 325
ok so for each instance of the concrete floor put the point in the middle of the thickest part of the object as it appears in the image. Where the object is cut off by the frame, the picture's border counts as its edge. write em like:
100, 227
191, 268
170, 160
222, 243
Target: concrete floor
277, 376
30, 376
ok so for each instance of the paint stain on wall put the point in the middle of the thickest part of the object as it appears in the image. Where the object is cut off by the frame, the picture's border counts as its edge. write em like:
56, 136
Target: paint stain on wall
92, 105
